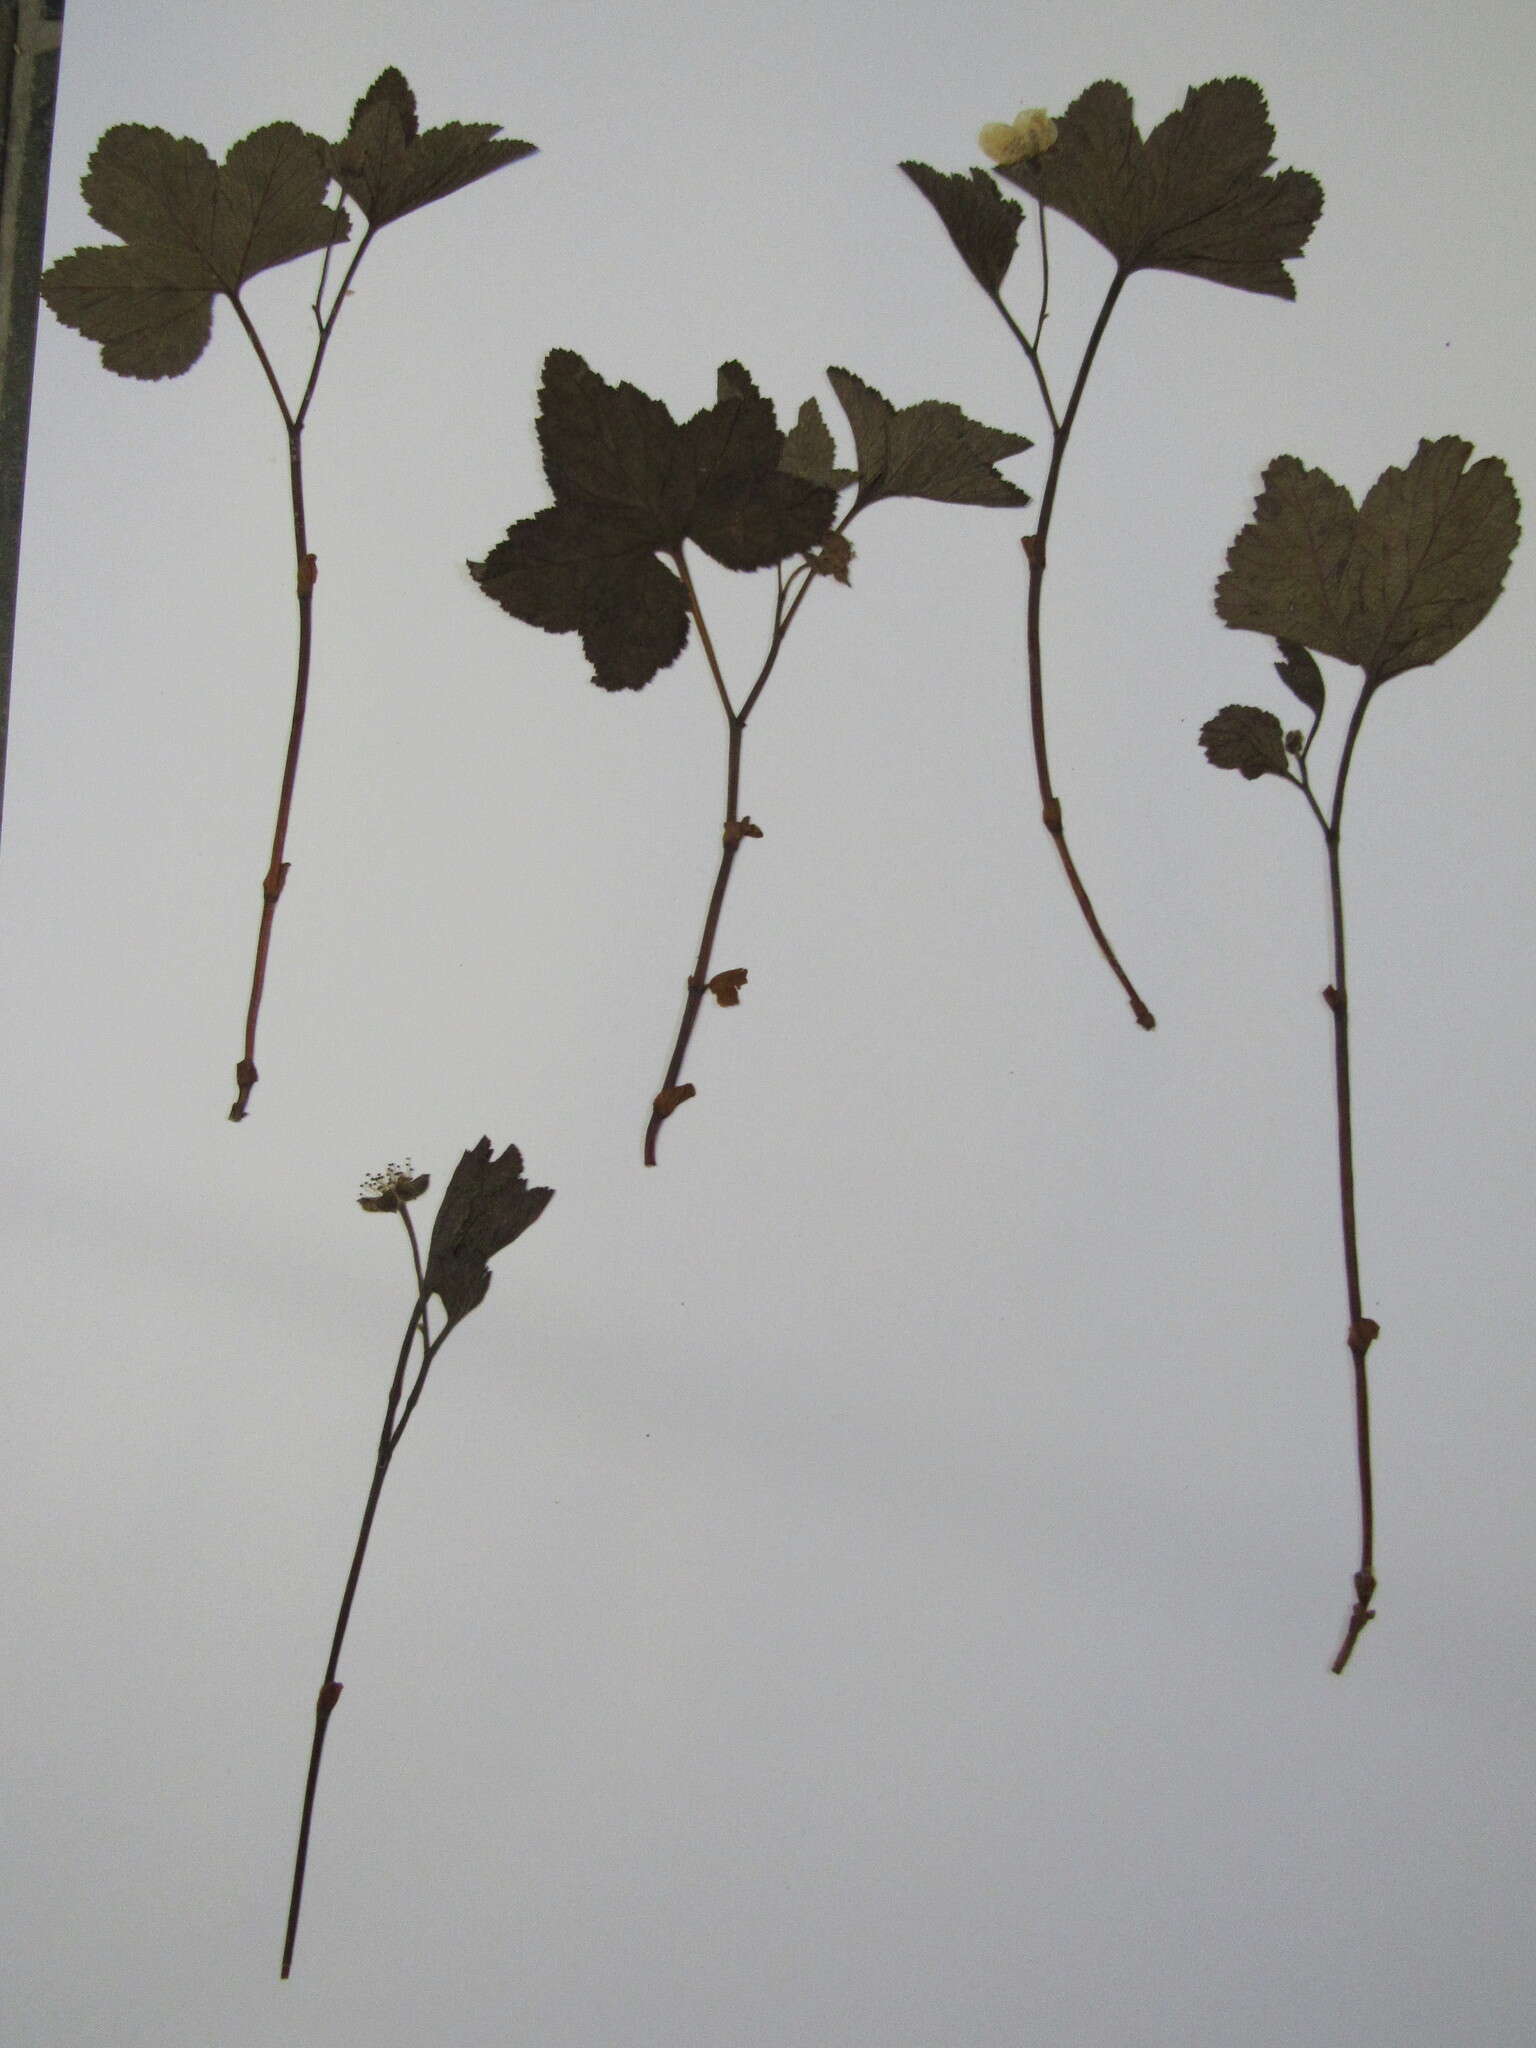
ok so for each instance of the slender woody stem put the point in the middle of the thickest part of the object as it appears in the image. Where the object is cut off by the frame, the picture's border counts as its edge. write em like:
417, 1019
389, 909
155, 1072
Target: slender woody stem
674, 1091
338, 216
1032, 356
304, 584
429, 1344
330, 1688
277, 867
328, 325
1035, 555
1045, 278
1362, 1330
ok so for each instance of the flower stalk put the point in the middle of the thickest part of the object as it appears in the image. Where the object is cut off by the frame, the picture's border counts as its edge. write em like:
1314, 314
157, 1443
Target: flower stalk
487, 1205
1195, 196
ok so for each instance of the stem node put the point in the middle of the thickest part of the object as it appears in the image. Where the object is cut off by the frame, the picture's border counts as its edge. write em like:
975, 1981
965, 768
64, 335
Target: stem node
1361, 1613
246, 1078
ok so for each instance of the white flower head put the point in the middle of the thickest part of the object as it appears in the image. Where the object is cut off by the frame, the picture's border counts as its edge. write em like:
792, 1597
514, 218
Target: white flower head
1029, 134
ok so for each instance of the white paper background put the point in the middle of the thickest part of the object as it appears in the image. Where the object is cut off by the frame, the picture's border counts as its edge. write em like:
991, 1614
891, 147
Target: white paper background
870, 1582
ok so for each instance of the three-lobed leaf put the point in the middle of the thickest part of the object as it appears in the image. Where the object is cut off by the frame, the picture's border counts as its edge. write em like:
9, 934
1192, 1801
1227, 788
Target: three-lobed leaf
982, 224
1389, 587
485, 1206
389, 168
189, 229
928, 450
1196, 196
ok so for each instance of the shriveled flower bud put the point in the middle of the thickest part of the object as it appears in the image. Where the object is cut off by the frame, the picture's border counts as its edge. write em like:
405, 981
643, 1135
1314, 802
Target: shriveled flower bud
1029, 134
390, 1190
832, 557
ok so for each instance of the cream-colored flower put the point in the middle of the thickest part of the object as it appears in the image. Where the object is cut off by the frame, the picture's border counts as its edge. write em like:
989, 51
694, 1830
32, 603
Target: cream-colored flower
1030, 134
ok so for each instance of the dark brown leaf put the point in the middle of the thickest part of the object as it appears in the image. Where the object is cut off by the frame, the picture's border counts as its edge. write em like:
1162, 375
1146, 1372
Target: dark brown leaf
190, 229
809, 451
1301, 675
486, 1205
1196, 196
389, 169
929, 450
573, 569
630, 484
746, 509
982, 224
1242, 737
1390, 587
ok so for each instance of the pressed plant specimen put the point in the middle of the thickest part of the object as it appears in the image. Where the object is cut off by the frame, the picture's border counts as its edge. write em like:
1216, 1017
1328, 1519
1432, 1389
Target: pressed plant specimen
1388, 586
1195, 196
488, 1204
632, 488
192, 231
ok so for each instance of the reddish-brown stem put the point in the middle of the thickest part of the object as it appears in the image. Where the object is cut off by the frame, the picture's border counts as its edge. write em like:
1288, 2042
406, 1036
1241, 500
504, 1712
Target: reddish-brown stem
1362, 1330
277, 867
1050, 803
1035, 555
330, 1688
698, 982
673, 1092
304, 580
